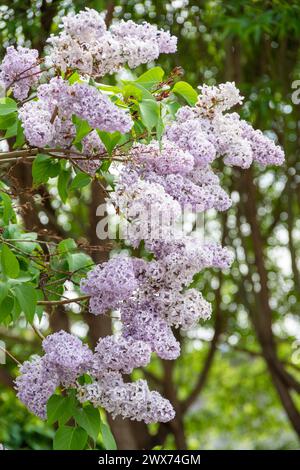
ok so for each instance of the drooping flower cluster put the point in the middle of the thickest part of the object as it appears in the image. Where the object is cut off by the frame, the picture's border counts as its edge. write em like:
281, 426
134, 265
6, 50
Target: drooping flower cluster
35, 385
20, 70
48, 121
129, 400
86, 45
109, 283
207, 132
65, 359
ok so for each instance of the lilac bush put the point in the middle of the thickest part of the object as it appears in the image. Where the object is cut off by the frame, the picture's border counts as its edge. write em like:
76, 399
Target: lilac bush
158, 173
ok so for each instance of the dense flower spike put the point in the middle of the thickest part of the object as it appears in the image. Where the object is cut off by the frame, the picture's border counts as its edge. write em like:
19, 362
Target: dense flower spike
48, 121
129, 400
109, 283
120, 354
20, 70
85, 45
67, 355
36, 384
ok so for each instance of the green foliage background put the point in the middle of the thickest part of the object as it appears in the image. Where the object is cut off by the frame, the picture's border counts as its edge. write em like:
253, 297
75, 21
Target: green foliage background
256, 44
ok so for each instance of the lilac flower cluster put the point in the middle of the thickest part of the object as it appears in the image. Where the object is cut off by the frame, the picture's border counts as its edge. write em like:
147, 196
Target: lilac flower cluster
129, 400
120, 354
86, 45
20, 70
207, 132
67, 355
48, 121
109, 283
65, 359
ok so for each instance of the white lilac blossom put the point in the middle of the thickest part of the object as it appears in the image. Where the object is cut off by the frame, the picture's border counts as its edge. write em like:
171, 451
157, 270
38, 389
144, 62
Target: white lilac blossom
129, 400
214, 99
20, 70
85, 25
86, 45
67, 355
35, 385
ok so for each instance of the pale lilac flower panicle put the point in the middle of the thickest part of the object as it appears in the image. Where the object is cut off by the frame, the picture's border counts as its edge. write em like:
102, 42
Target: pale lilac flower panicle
162, 158
20, 70
35, 385
66, 354
120, 354
218, 98
189, 136
85, 25
35, 117
264, 150
129, 400
109, 283
142, 321
146, 32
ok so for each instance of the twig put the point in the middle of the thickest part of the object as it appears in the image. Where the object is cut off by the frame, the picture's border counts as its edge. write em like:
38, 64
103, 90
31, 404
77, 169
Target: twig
62, 302
10, 355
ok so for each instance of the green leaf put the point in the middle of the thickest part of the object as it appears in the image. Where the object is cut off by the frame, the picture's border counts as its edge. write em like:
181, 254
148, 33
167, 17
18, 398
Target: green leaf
60, 409
11, 130
62, 184
132, 92
109, 139
77, 261
3, 291
10, 264
7, 106
151, 77
7, 207
27, 298
150, 113
75, 77
6, 307
109, 178
69, 438
66, 245
108, 439
80, 180
7, 121
89, 419
20, 136
187, 92
43, 168
82, 129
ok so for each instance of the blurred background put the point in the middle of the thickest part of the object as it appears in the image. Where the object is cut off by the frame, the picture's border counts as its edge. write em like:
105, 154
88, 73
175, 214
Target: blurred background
237, 382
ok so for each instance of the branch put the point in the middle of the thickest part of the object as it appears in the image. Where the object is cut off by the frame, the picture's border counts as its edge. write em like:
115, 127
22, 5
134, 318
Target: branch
63, 302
